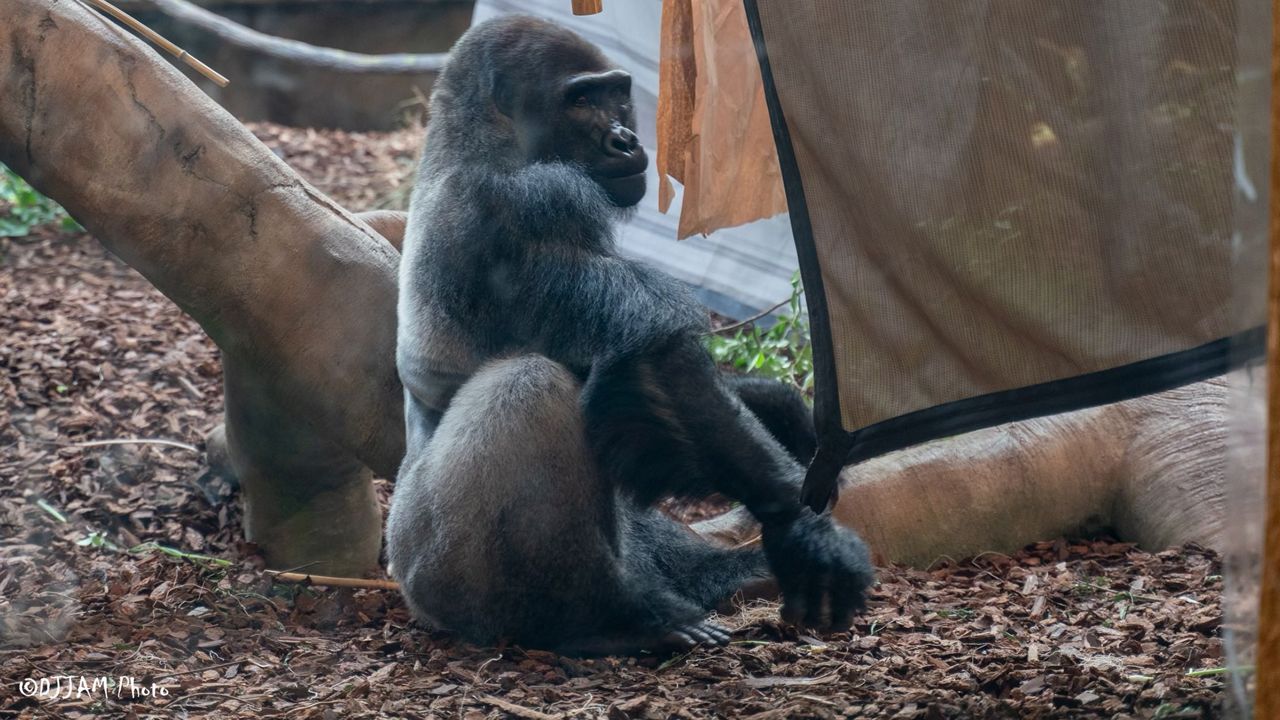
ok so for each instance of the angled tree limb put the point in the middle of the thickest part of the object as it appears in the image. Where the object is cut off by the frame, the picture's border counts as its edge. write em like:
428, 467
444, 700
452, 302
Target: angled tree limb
276, 272
297, 51
298, 293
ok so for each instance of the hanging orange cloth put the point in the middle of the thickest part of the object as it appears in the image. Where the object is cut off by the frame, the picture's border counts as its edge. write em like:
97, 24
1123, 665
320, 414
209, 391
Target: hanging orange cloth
713, 128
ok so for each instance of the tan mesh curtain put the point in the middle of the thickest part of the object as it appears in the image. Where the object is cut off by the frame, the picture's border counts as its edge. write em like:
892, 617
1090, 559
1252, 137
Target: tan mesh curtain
1003, 208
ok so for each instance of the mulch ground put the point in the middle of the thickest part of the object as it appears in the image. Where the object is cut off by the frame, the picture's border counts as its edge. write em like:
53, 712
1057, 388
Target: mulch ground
90, 353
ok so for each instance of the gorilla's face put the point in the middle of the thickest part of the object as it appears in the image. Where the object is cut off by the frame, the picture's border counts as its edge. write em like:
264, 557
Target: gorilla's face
587, 118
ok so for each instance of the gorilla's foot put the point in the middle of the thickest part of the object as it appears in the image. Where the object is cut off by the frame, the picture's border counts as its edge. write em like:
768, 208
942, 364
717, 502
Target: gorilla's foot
680, 638
703, 632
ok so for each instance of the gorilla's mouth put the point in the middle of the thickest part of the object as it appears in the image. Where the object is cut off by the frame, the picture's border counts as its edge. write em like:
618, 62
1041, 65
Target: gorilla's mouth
624, 191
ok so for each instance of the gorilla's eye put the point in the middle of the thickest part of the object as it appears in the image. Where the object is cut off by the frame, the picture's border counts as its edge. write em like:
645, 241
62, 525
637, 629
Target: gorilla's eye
581, 101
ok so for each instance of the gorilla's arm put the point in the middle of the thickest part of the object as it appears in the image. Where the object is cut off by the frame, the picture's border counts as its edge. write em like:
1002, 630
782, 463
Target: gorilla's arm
546, 276
665, 421
782, 412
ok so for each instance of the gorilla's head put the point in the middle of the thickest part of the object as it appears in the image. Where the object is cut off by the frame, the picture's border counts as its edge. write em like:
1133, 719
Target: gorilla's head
557, 98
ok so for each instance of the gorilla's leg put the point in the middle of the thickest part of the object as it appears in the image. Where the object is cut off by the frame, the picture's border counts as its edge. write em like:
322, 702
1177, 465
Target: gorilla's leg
703, 573
779, 407
500, 527
644, 411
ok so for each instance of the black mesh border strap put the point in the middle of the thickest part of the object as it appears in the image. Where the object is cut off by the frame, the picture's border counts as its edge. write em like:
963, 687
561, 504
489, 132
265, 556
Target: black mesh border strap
833, 442
837, 447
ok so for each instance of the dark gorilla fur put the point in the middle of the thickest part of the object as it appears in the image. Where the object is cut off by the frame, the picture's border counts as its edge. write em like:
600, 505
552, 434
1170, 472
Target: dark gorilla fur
554, 390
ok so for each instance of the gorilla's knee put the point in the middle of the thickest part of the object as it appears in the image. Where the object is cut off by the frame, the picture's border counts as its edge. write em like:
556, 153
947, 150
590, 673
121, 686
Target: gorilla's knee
520, 382
519, 404
503, 496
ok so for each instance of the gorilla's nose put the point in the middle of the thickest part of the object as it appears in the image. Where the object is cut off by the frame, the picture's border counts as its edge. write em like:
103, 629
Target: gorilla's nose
620, 141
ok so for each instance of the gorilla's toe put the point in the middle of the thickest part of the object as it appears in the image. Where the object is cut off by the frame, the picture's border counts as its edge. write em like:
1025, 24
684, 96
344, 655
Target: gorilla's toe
701, 633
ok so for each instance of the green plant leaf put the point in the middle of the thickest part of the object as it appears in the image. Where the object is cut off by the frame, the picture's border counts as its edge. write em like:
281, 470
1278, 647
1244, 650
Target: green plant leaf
780, 351
22, 208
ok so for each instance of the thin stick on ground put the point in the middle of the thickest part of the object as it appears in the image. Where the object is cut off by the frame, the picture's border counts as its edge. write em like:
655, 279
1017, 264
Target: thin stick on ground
193, 671
329, 581
134, 441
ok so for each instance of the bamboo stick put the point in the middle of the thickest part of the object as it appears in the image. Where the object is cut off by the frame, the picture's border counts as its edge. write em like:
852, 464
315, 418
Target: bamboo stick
158, 39
329, 581
587, 7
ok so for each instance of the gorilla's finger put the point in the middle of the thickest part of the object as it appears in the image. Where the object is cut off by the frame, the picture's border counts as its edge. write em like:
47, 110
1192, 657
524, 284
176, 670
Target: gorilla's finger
794, 608
815, 599
846, 600
699, 632
718, 634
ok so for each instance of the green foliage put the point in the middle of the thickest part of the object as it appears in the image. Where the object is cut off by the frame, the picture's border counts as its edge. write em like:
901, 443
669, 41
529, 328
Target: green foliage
97, 540
51, 510
147, 548
780, 351
22, 208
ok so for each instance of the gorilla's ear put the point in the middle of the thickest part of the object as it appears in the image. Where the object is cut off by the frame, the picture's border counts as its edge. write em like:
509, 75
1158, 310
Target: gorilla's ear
504, 94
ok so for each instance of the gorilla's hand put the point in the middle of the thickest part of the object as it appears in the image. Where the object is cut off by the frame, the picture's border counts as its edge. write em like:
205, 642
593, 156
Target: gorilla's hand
823, 569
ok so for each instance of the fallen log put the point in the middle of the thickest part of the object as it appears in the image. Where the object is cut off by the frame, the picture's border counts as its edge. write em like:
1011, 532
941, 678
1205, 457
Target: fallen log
1151, 470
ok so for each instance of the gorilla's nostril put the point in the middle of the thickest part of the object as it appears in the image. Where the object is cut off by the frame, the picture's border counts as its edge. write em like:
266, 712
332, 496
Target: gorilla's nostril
621, 141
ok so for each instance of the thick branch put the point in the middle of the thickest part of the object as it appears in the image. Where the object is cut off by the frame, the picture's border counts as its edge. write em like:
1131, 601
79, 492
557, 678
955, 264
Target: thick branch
296, 51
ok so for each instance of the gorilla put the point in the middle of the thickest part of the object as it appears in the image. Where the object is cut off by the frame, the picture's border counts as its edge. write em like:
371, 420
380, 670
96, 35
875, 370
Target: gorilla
555, 391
